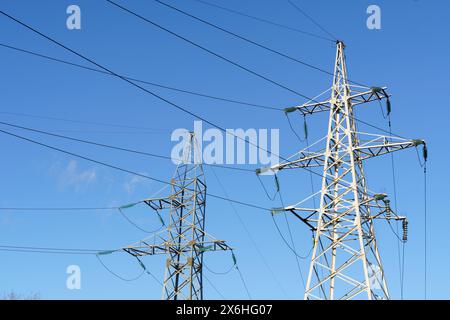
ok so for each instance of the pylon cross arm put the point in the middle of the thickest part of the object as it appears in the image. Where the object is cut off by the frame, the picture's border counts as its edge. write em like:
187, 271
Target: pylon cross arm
306, 160
375, 93
166, 247
159, 203
383, 145
310, 108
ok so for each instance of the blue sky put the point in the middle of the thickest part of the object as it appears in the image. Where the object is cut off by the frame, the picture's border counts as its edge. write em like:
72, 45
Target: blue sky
409, 55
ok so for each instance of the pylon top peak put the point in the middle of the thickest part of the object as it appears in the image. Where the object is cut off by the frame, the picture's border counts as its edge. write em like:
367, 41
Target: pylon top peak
340, 42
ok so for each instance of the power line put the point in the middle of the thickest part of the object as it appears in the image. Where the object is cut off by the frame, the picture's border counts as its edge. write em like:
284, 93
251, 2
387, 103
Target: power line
400, 254
138, 86
379, 128
136, 225
250, 104
425, 230
58, 209
117, 275
50, 250
245, 39
243, 282
224, 58
291, 237
179, 107
216, 55
82, 157
219, 273
123, 169
265, 21
214, 287
28, 115
142, 88
311, 19
114, 147
249, 234
208, 50
108, 70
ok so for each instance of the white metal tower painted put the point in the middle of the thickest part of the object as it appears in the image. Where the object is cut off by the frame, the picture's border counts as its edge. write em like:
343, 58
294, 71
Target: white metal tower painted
185, 240
345, 262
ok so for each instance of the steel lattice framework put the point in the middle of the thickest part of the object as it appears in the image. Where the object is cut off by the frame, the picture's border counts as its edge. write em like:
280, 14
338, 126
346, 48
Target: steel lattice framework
185, 240
345, 262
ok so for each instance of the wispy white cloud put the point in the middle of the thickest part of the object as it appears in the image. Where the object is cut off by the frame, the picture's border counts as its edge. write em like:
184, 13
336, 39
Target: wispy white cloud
75, 177
131, 184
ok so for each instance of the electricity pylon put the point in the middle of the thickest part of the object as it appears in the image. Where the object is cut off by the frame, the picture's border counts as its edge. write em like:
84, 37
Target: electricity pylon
345, 262
184, 241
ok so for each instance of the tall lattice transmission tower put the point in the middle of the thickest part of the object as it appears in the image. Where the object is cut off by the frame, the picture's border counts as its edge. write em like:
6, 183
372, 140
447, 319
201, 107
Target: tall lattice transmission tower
345, 262
184, 241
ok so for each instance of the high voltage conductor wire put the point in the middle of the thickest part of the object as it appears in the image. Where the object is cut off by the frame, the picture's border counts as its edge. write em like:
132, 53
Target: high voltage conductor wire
58, 209
294, 250
116, 274
311, 19
214, 288
28, 115
216, 55
226, 59
153, 84
265, 20
247, 231
400, 254
425, 231
50, 250
129, 171
115, 147
66, 251
123, 169
179, 107
250, 41
240, 66
40, 55
243, 38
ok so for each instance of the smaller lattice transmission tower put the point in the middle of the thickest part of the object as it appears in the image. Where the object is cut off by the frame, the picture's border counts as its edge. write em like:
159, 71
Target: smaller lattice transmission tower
184, 241
345, 261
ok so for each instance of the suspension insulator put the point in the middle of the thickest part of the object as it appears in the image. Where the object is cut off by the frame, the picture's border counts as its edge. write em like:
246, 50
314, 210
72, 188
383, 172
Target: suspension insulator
305, 127
387, 202
405, 230
388, 106
425, 152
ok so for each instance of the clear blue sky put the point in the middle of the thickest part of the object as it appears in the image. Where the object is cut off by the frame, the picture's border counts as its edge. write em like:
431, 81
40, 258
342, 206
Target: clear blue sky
409, 55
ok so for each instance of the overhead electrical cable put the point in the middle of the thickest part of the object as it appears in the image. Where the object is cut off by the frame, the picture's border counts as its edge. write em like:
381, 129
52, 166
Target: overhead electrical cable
129, 80
311, 19
141, 81
49, 250
236, 64
226, 59
244, 38
35, 116
249, 235
58, 208
123, 169
179, 107
115, 274
215, 288
265, 21
115, 147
